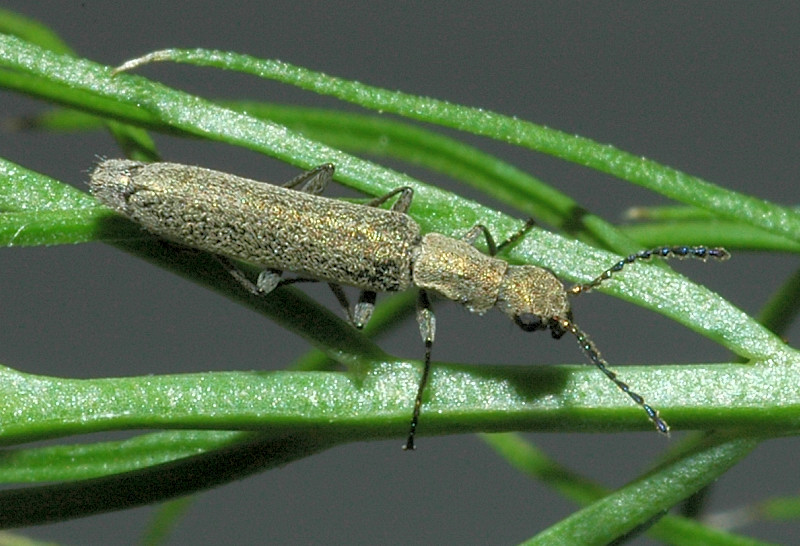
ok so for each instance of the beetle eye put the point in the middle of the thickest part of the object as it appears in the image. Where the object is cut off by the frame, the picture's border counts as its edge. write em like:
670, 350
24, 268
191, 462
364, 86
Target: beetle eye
529, 322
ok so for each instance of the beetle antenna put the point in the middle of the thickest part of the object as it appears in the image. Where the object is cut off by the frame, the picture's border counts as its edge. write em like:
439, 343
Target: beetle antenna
666, 252
591, 351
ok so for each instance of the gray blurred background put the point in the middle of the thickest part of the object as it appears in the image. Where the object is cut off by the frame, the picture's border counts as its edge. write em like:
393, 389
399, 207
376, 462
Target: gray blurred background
711, 89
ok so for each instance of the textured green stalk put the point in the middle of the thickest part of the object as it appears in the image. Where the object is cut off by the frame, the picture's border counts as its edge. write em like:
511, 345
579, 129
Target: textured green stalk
308, 412
602, 157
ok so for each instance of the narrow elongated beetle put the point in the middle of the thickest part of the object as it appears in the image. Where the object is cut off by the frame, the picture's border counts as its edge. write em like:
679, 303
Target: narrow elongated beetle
373, 249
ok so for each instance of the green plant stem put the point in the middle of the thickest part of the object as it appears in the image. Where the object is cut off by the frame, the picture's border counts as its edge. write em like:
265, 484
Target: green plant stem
635, 503
46, 504
308, 412
672, 529
602, 157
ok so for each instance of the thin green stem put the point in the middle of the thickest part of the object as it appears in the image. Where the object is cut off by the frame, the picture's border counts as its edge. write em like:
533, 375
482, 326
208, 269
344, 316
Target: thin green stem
602, 157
